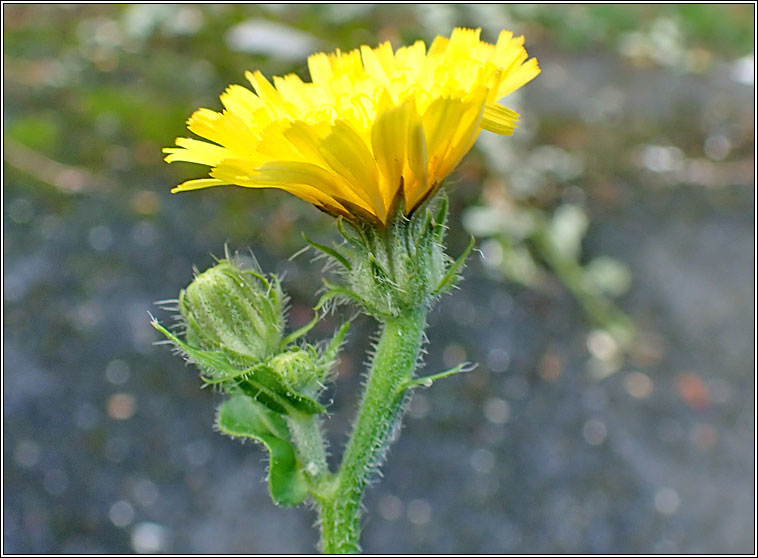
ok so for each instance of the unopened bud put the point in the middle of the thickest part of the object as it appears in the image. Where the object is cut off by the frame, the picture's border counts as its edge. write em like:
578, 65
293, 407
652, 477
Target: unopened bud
298, 368
235, 311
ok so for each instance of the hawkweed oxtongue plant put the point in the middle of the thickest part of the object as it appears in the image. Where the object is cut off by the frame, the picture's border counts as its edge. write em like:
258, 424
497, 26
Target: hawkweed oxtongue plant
369, 141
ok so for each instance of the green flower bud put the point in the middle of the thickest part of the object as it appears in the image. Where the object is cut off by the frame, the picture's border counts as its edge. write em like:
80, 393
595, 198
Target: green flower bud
236, 311
300, 369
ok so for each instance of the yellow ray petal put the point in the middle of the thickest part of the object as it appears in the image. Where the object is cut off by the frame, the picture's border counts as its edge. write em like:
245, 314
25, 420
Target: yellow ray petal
408, 63
275, 145
438, 46
228, 130
518, 77
347, 154
290, 176
389, 139
462, 43
440, 124
416, 179
271, 98
499, 119
294, 92
303, 191
373, 63
465, 135
195, 151
306, 139
347, 63
203, 123
238, 99
319, 68
197, 184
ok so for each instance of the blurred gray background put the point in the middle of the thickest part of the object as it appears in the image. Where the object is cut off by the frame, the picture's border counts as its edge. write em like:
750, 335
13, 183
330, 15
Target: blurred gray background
624, 201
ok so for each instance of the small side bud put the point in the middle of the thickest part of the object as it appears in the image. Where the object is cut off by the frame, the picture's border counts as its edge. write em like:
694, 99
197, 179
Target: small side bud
299, 369
235, 311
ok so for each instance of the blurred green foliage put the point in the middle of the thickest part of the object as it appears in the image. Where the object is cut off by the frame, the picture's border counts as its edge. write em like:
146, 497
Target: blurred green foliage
81, 79
725, 29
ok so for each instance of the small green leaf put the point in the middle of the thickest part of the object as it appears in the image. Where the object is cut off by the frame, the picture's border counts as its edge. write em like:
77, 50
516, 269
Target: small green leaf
427, 381
243, 418
263, 384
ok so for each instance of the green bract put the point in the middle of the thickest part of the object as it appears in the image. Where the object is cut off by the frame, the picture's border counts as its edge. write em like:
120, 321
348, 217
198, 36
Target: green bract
400, 267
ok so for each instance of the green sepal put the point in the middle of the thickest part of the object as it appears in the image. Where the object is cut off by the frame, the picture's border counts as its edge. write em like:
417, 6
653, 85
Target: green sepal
335, 291
330, 252
241, 417
381, 275
333, 348
352, 239
209, 361
439, 222
449, 279
399, 265
298, 333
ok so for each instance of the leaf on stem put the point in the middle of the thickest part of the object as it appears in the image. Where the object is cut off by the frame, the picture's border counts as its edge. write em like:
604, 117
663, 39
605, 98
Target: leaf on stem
427, 381
244, 418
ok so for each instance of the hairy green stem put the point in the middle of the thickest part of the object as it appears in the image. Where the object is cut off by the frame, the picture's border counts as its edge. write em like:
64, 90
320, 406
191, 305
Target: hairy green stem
378, 417
309, 441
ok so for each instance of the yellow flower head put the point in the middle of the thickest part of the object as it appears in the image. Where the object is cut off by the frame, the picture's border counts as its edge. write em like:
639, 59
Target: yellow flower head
373, 128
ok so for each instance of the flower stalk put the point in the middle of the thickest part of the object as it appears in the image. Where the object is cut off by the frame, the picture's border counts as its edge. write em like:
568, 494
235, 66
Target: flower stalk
395, 274
378, 418
309, 440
